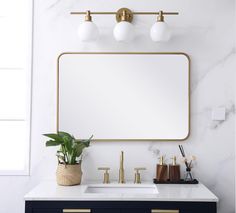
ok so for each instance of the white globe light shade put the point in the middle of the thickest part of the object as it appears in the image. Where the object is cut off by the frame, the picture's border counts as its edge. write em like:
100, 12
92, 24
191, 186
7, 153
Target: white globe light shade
88, 31
124, 31
160, 31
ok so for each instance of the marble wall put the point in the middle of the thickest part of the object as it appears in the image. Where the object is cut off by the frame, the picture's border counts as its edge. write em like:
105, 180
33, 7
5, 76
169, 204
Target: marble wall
204, 29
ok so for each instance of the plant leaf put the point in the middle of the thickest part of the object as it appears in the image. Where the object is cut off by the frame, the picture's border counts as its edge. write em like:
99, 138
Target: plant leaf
79, 149
68, 143
56, 137
85, 142
53, 143
65, 134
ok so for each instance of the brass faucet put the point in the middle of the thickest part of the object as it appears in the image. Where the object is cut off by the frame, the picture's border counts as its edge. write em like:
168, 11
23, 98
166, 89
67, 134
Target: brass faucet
106, 178
121, 170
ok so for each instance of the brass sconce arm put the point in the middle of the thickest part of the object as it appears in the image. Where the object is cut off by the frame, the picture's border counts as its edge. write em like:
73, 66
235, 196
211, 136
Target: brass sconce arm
134, 13
125, 14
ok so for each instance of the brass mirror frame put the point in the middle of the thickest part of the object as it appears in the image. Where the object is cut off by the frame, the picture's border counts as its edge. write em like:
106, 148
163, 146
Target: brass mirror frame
129, 53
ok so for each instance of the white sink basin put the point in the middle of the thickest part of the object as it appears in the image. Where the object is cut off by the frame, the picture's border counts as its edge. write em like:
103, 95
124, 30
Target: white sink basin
122, 189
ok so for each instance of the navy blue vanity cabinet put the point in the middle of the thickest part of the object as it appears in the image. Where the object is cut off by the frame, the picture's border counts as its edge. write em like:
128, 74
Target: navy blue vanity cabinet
46, 211
105, 211
119, 207
135, 210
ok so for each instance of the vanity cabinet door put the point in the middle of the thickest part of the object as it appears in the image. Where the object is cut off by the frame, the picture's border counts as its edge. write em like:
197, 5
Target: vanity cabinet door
135, 211
196, 211
47, 211
105, 211
62, 211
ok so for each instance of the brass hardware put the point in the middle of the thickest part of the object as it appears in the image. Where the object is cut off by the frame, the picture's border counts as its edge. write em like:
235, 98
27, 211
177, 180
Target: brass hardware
121, 170
106, 178
124, 14
127, 53
161, 160
76, 210
88, 17
134, 13
160, 17
174, 161
164, 211
137, 176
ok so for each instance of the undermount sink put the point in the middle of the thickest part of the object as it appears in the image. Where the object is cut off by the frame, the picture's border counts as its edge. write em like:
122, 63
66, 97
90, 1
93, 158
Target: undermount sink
122, 189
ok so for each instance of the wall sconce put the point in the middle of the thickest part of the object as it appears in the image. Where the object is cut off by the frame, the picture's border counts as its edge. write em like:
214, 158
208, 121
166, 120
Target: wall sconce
124, 30
88, 31
160, 31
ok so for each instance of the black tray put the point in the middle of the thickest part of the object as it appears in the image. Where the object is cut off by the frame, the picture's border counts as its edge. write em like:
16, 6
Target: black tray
182, 181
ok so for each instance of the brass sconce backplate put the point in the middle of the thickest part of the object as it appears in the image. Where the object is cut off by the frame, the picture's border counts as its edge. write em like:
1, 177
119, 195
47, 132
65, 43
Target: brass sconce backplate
120, 12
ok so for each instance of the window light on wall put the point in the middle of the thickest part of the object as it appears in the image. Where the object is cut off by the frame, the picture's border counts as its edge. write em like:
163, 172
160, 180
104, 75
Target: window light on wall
15, 86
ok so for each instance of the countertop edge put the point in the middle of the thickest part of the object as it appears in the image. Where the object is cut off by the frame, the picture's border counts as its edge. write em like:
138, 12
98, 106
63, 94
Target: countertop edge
123, 199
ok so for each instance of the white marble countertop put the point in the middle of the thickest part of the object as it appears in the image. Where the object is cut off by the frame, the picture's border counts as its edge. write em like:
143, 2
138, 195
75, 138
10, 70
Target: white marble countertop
49, 190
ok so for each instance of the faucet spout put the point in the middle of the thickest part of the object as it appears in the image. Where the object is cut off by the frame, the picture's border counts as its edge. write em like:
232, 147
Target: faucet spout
121, 170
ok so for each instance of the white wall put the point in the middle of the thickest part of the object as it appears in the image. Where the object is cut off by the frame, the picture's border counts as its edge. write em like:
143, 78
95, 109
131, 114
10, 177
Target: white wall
204, 29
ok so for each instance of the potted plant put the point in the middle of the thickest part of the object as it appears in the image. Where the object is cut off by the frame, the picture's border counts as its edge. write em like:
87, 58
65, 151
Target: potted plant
69, 157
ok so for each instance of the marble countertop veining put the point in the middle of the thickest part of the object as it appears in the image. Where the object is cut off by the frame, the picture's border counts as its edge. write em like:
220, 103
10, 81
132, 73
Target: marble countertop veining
49, 190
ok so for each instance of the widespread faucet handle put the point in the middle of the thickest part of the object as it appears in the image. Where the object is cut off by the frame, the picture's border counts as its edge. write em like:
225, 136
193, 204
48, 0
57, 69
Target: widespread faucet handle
139, 169
137, 176
106, 178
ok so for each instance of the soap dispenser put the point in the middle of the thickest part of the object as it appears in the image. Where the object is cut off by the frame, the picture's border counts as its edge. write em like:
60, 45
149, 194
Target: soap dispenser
161, 171
174, 171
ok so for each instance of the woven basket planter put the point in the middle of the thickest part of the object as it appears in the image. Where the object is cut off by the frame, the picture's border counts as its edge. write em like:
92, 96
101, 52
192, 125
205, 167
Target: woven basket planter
69, 175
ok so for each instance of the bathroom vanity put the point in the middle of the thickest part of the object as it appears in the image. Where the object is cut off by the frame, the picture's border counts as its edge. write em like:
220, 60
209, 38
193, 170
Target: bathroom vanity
48, 197
153, 88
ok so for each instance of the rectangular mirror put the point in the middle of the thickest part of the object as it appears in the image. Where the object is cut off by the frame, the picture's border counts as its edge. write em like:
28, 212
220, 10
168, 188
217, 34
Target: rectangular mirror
124, 96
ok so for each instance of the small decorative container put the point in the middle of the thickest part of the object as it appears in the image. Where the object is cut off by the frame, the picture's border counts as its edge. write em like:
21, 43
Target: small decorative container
174, 171
161, 170
69, 175
188, 175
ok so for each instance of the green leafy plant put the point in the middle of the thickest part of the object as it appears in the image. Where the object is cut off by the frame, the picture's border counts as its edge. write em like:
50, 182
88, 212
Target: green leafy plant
71, 149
